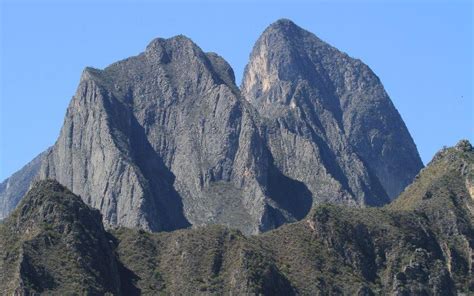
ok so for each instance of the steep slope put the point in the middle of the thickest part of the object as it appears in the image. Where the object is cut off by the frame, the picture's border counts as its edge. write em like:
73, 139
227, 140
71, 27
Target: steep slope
420, 245
15, 187
164, 140
54, 243
334, 104
444, 194
337, 250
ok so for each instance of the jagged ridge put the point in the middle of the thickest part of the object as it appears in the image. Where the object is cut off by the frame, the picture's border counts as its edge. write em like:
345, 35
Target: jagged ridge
419, 245
165, 139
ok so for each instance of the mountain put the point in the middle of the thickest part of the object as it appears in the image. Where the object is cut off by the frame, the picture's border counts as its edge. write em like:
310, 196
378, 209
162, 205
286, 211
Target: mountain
54, 242
419, 245
444, 195
165, 139
15, 187
338, 106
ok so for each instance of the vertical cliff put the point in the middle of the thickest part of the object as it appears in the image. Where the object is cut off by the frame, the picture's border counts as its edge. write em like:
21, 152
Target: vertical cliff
337, 105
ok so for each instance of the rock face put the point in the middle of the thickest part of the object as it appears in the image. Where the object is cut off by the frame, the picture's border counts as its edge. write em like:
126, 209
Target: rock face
15, 187
334, 104
420, 245
165, 139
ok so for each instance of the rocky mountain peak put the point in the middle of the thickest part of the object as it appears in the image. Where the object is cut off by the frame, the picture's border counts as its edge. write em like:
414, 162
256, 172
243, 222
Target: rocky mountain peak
283, 27
165, 139
163, 130
285, 32
319, 92
278, 56
164, 50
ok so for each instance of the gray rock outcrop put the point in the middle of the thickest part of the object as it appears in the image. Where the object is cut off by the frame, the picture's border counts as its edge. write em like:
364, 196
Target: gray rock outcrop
14, 188
338, 106
165, 139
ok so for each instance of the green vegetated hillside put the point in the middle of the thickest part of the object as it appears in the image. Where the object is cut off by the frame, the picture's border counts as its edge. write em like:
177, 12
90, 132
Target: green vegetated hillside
54, 242
421, 244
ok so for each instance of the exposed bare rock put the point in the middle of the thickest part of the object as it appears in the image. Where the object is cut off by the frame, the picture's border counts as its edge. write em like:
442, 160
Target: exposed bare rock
14, 188
337, 110
165, 140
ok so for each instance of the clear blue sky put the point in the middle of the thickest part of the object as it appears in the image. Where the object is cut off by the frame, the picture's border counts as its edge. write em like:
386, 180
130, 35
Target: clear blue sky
423, 53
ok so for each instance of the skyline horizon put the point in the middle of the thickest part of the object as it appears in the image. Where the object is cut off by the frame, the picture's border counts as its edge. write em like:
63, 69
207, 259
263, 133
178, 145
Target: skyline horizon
11, 110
